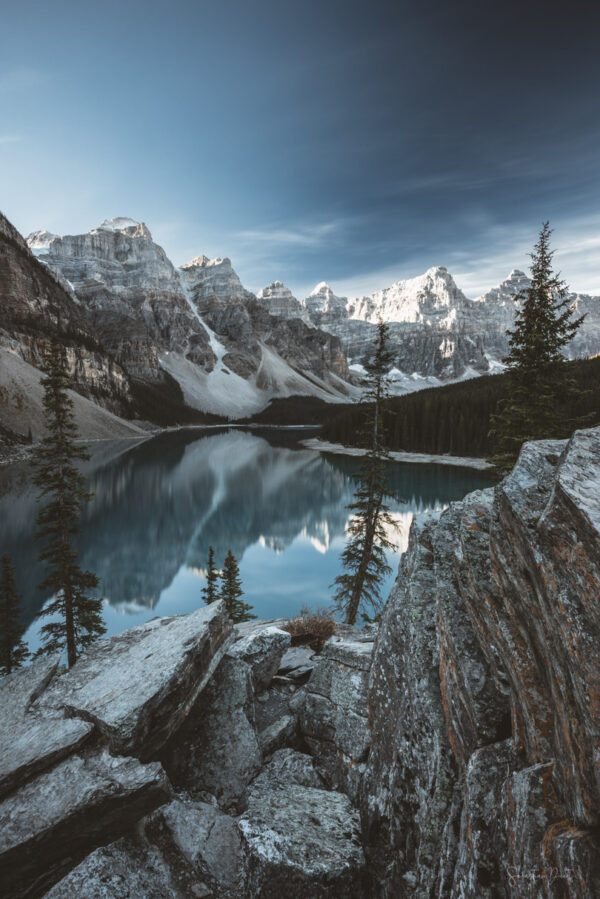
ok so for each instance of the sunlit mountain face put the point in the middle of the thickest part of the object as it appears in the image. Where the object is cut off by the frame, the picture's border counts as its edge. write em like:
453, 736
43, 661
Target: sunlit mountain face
159, 504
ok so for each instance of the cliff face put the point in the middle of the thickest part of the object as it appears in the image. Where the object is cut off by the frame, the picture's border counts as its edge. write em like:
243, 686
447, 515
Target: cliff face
34, 304
435, 330
131, 294
482, 778
197, 323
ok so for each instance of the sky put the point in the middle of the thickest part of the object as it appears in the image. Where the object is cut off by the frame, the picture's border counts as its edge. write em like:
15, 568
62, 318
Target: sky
352, 142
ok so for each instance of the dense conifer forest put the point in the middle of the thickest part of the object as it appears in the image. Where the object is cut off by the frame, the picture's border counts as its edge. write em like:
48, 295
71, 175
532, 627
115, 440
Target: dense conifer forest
454, 419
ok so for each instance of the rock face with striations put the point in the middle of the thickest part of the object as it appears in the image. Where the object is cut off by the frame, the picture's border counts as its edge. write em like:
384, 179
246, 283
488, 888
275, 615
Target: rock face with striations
34, 304
196, 324
435, 330
482, 775
279, 300
131, 293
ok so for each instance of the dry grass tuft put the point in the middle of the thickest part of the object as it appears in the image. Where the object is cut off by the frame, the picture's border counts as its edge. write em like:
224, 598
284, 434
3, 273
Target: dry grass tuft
312, 627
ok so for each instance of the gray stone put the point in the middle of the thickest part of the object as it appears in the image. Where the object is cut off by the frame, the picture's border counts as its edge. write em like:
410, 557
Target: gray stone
289, 766
276, 735
124, 870
407, 791
262, 650
217, 749
297, 662
30, 741
58, 817
274, 703
333, 716
301, 842
354, 654
208, 840
139, 685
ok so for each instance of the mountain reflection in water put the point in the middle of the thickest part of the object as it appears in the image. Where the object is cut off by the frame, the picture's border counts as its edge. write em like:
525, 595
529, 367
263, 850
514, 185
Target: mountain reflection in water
159, 504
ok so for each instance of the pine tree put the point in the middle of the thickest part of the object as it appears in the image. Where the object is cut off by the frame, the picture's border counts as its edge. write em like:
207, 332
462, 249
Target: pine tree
209, 592
540, 384
78, 617
13, 650
364, 554
231, 591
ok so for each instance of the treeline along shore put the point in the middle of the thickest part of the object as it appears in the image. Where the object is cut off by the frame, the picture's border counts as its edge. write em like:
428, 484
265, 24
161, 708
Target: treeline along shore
454, 419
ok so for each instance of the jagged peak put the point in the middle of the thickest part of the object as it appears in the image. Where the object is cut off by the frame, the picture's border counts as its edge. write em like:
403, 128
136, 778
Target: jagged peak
274, 287
203, 261
125, 225
516, 273
322, 287
41, 240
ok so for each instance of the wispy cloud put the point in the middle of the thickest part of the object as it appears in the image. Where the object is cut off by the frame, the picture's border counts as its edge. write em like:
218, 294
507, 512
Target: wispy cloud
482, 266
10, 138
302, 236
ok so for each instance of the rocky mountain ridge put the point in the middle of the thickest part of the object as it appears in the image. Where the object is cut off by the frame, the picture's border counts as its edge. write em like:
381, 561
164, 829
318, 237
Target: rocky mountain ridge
197, 323
36, 304
436, 332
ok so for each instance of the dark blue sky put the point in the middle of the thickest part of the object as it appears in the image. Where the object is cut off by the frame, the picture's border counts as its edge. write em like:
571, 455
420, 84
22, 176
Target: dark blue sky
351, 142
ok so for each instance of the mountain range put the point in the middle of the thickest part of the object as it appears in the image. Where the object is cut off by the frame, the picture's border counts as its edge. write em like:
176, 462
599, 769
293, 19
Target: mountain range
142, 335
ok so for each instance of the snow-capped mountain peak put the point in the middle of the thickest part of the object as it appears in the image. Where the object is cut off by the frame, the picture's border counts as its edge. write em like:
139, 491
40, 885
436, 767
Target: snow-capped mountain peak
203, 261
279, 300
117, 224
39, 241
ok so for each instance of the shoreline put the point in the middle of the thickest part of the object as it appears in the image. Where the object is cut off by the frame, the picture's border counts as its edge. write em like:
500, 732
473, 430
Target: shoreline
324, 446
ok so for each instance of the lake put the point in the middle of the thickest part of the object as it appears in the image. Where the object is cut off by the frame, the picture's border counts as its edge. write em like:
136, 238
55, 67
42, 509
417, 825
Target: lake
160, 503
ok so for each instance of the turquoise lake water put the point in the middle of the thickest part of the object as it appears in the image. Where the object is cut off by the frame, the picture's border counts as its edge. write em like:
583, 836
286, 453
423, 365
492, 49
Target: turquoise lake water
159, 504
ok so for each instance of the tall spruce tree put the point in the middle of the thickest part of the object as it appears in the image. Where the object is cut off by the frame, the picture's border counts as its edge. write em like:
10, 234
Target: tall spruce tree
540, 385
77, 616
210, 591
364, 555
13, 650
231, 591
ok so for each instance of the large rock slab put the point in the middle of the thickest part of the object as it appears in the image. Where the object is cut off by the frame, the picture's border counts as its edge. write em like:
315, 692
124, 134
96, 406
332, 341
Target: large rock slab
408, 789
217, 749
31, 741
288, 766
262, 650
53, 821
207, 840
333, 716
302, 842
139, 686
125, 870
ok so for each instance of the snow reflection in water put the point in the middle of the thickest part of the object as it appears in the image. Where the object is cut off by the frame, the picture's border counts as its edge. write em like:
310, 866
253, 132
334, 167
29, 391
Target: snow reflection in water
159, 505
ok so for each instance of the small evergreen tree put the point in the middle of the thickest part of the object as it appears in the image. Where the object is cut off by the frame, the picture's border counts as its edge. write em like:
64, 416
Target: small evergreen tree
540, 383
13, 650
364, 554
209, 592
231, 591
78, 617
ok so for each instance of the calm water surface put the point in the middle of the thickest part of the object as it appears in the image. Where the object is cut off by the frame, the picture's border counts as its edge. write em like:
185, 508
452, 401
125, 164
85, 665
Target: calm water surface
159, 504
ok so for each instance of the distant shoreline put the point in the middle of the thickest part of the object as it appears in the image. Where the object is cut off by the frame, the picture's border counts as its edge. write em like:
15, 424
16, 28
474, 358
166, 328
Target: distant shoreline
323, 446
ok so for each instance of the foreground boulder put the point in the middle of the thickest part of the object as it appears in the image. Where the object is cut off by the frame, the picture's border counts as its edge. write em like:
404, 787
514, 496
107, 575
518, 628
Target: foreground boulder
219, 750
302, 842
139, 686
333, 717
262, 650
55, 819
31, 741
482, 775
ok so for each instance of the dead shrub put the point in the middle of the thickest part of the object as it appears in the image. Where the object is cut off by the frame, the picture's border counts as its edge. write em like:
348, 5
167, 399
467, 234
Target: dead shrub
312, 627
